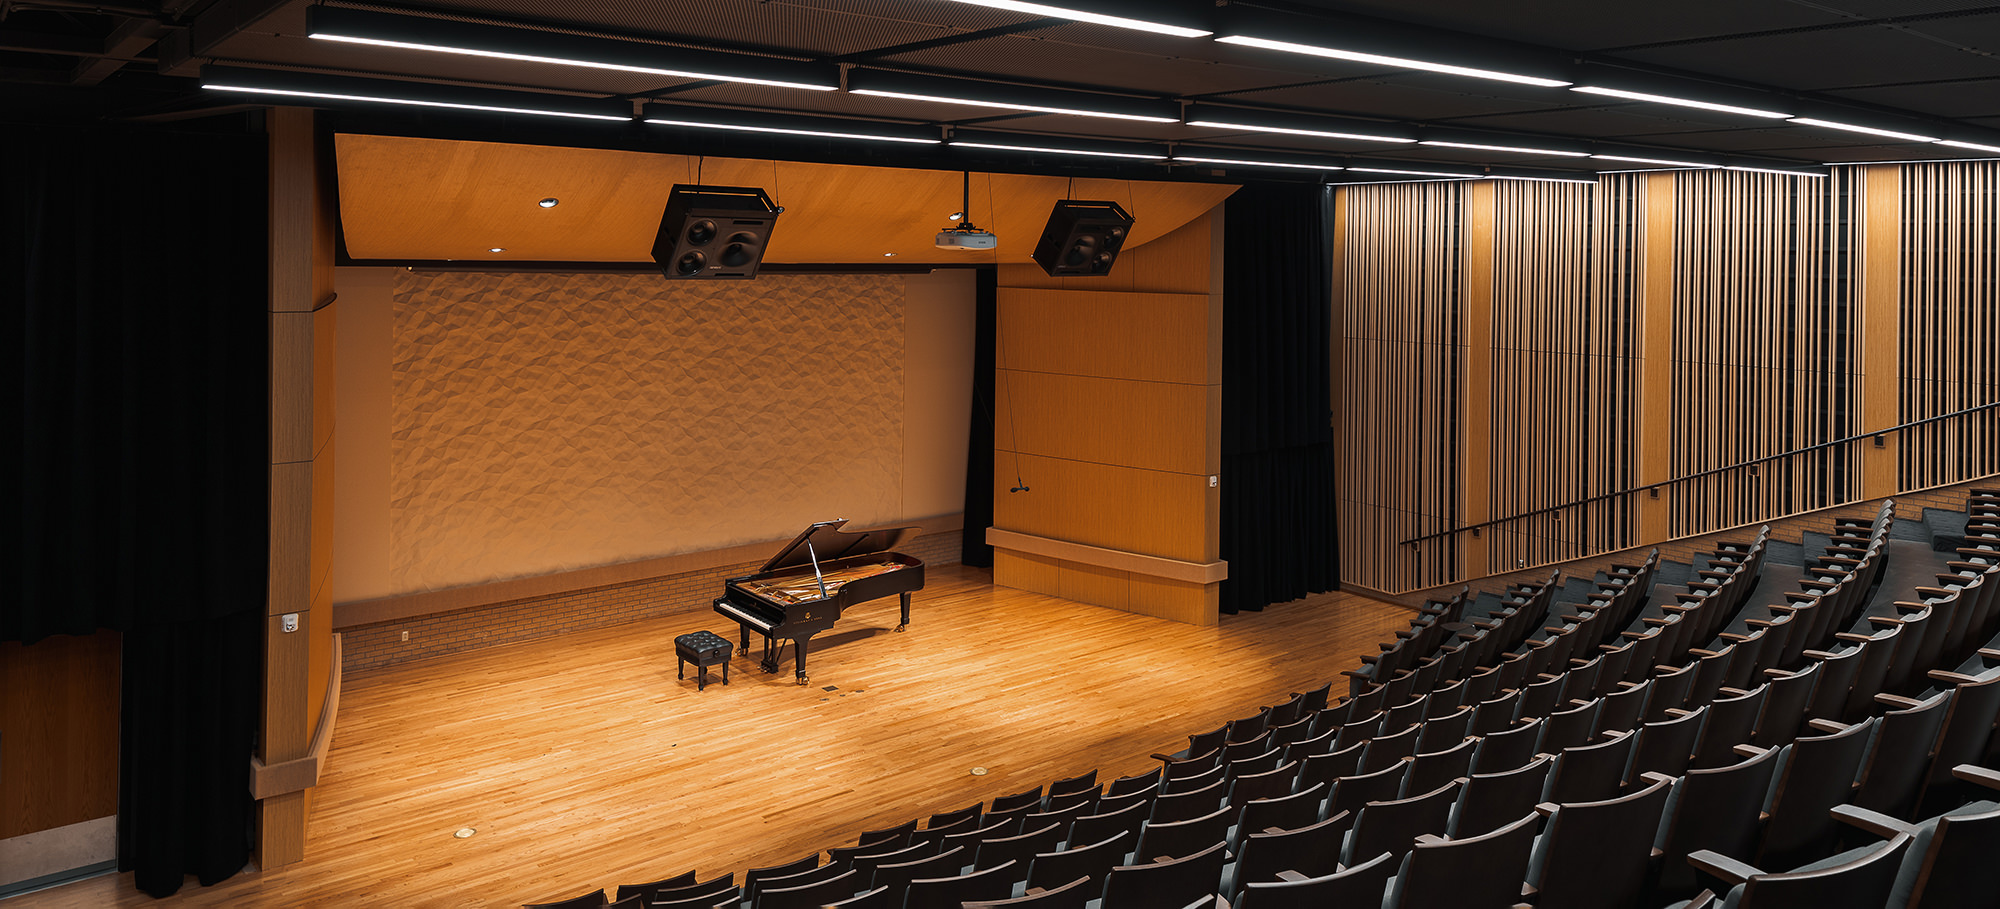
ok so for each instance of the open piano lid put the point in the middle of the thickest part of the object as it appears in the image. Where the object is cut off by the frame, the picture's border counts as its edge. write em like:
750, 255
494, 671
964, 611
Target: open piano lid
829, 542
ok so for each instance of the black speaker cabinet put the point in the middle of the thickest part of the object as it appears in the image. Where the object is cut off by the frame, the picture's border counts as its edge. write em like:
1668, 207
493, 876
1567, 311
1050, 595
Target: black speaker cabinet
714, 231
1082, 238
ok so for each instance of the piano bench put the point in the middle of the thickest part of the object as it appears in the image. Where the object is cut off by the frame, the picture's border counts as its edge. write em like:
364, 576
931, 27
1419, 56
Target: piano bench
703, 649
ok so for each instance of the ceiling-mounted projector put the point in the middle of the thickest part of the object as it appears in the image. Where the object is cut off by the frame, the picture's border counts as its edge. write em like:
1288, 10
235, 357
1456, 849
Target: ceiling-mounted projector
967, 237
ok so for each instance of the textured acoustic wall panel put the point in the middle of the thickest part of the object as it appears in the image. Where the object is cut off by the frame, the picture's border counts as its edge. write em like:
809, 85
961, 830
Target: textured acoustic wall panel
1565, 292
1765, 359
547, 422
1950, 356
1402, 357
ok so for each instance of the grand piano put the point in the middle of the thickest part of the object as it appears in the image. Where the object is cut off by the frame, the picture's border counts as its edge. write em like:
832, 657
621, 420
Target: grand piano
802, 589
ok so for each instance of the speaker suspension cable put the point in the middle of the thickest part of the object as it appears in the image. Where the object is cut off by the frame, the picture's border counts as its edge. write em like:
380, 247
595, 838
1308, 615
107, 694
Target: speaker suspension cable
1000, 365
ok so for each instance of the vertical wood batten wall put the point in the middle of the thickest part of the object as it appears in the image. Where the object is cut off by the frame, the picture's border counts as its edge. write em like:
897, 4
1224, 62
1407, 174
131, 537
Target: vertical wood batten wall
297, 664
1949, 356
1646, 329
1108, 409
1403, 251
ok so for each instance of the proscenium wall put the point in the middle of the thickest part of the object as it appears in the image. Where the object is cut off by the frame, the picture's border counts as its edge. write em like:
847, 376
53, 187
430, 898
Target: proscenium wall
1509, 349
501, 426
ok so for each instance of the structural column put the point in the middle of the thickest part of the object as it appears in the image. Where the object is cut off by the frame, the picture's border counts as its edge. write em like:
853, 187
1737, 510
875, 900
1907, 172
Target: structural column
297, 638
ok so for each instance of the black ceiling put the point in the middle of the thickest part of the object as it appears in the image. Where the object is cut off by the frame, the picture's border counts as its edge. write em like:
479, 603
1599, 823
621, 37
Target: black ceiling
1923, 66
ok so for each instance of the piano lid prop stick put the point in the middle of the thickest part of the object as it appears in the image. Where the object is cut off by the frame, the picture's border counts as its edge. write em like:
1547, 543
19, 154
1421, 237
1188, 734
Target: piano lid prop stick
816, 572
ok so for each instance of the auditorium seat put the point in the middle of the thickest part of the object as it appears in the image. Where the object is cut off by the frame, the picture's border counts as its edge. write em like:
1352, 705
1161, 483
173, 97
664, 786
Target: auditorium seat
813, 895
1598, 854
1089, 860
1393, 826
992, 883
897, 875
586, 901
1072, 895
1591, 773
1430, 770
1489, 801
1175, 839
1091, 828
1815, 773
1357, 885
755, 877
878, 898
1020, 848
1483, 872
1856, 879
1287, 812
1950, 863
678, 880
1172, 882
1899, 760
1716, 810
1309, 851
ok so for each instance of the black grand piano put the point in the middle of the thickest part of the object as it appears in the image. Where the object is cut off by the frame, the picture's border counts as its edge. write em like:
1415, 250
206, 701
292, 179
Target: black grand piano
802, 589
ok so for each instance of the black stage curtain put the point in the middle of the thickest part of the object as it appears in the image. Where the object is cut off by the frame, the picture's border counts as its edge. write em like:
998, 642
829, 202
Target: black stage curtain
974, 550
142, 356
1279, 528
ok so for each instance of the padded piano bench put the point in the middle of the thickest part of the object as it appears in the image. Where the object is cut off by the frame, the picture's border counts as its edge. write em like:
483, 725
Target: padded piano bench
703, 649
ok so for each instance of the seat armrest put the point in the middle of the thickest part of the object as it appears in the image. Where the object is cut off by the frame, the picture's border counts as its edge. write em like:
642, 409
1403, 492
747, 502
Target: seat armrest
1873, 822
1897, 701
1982, 776
1722, 867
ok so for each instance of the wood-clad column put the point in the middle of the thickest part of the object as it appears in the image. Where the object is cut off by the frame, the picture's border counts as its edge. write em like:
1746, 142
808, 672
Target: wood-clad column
1881, 326
296, 663
1475, 460
1652, 421
1108, 408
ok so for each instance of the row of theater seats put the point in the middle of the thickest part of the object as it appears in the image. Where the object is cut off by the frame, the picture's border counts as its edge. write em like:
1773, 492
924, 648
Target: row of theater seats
1608, 754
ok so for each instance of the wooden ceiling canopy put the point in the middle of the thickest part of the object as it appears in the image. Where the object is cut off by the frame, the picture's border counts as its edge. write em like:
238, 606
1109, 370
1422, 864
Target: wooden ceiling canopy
411, 199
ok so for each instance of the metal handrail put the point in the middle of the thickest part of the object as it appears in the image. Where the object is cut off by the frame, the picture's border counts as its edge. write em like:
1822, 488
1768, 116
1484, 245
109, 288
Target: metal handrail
1875, 434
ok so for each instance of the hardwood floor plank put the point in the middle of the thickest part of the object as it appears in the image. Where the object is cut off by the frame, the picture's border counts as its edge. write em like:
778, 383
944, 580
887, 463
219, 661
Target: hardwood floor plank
584, 763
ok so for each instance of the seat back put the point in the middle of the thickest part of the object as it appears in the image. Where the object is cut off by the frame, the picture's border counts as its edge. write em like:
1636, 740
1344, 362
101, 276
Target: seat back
1394, 826
1731, 721
1957, 868
1091, 828
1483, 872
1075, 894
1855, 879
1091, 860
811, 896
1508, 749
1019, 849
1358, 885
1714, 809
584, 901
1429, 771
1350, 793
1148, 885
1177, 839
1489, 801
1290, 812
1589, 773
626, 891
1598, 853
1814, 774
993, 883
1313, 851
1668, 745
1899, 760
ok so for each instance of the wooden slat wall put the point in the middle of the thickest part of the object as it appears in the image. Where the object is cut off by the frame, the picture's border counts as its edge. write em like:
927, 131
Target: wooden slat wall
1763, 347
1949, 357
1400, 387
1566, 289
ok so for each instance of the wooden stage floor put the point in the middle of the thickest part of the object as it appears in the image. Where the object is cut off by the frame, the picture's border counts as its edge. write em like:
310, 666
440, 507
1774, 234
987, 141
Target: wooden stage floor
582, 762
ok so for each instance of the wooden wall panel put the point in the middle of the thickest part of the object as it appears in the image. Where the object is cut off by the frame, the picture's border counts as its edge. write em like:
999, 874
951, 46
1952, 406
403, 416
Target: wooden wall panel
58, 732
1146, 425
1108, 410
1139, 336
1652, 420
1947, 311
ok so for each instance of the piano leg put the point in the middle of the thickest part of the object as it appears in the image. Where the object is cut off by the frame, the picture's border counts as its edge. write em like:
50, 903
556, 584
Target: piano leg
800, 665
906, 612
744, 647
770, 663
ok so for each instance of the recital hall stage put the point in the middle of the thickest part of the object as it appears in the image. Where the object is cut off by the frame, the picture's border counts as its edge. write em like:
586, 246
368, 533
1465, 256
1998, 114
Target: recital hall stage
582, 762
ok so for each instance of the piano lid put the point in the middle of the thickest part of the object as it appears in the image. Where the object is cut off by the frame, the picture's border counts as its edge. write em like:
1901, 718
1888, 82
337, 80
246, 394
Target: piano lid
829, 542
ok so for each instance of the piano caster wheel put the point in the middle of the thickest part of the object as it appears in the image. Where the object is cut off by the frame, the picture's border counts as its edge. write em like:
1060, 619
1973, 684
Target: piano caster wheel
902, 628
804, 679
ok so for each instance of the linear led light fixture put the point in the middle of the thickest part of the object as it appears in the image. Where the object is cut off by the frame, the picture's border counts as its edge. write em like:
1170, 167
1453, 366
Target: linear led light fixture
1338, 53
1210, 116
1513, 149
498, 42
1035, 149
1542, 179
313, 86
1974, 146
1771, 170
1057, 12
1870, 130
1036, 99
758, 122
1664, 162
1681, 102
1409, 173
1205, 156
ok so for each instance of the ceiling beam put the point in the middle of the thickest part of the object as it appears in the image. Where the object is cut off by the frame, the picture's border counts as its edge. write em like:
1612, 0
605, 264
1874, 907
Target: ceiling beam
180, 51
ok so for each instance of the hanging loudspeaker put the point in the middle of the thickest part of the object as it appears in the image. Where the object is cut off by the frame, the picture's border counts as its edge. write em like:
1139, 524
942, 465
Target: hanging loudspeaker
1082, 238
714, 231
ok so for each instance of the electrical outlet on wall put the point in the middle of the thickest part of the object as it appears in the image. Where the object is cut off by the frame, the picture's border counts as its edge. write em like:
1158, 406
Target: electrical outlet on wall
406, 635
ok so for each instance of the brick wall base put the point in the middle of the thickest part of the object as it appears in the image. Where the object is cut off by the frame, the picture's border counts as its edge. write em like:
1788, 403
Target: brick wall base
374, 646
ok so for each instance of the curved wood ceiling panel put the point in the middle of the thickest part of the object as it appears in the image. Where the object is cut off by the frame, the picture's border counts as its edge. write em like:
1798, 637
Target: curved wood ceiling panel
405, 199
